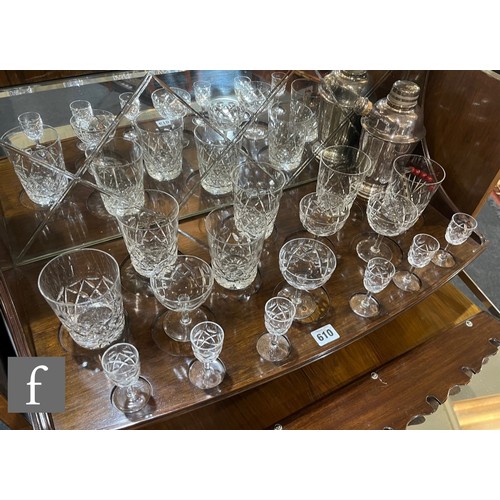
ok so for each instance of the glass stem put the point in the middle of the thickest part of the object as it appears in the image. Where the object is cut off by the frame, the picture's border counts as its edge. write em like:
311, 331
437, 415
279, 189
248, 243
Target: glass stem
274, 339
407, 276
132, 392
185, 318
445, 249
206, 367
375, 248
366, 301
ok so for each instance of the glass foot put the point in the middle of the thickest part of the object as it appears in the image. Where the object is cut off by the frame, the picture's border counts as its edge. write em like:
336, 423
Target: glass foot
27, 202
407, 281
443, 258
176, 330
96, 207
207, 379
273, 351
134, 282
132, 399
366, 250
311, 306
364, 306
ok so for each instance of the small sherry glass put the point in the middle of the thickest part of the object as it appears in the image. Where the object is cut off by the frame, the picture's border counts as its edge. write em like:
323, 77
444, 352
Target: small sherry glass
202, 94
131, 114
121, 365
32, 124
279, 313
377, 276
421, 251
460, 227
207, 371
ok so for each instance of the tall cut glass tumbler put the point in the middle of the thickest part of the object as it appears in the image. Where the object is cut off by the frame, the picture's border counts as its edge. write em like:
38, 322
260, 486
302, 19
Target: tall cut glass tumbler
83, 288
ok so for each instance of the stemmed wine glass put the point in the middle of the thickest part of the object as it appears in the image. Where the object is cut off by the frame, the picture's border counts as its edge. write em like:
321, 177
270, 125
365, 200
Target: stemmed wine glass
131, 114
377, 276
121, 365
202, 94
421, 251
207, 371
32, 124
182, 287
279, 313
388, 215
306, 265
458, 231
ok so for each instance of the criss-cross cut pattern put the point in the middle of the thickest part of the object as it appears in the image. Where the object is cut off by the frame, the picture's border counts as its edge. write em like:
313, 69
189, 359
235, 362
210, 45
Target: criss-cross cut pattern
90, 288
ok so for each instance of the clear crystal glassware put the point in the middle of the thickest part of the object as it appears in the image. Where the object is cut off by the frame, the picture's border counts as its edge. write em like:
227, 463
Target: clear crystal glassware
306, 265
92, 132
277, 78
161, 143
32, 124
225, 113
207, 371
279, 313
217, 156
257, 190
319, 219
421, 251
83, 288
131, 114
288, 130
378, 274
122, 366
388, 215
235, 256
182, 287
460, 227
150, 234
42, 172
82, 112
252, 96
119, 174
342, 170
202, 94
307, 92
416, 177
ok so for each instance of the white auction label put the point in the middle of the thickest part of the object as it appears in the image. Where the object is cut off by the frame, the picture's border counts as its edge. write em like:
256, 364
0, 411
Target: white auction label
325, 335
163, 123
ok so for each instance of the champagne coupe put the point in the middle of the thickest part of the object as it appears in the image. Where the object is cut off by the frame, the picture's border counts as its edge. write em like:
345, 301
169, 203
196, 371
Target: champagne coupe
207, 371
131, 114
377, 276
306, 265
388, 215
122, 367
319, 219
279, 313
32, 125
458, 231
202, 94
182, 287
421, 251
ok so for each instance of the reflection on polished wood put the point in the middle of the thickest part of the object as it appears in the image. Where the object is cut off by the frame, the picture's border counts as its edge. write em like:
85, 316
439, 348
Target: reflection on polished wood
166, 364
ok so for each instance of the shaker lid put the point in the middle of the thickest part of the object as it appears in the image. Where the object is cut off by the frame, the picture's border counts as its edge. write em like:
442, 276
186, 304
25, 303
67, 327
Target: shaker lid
404, 94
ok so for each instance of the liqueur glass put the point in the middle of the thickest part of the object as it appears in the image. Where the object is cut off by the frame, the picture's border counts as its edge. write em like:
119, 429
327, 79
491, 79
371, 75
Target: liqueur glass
202, 94
207, 371
91, 132
457, 232
377, 276
306, 265
131, 114
32, 125
257, 190
320, 220
416, 177
421, 251
182, 287
122, 366
150, 234
83, 288
82, 112
388, 215
279, 313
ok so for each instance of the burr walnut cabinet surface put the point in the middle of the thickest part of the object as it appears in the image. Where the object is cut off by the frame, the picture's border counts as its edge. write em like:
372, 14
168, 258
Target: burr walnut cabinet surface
165, 363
